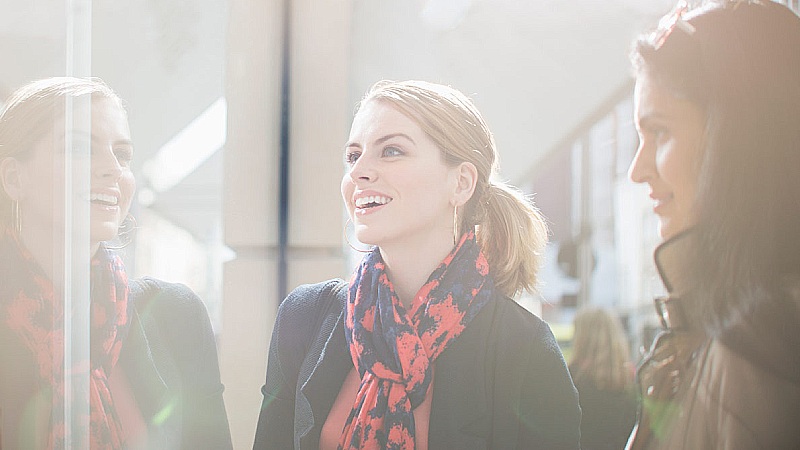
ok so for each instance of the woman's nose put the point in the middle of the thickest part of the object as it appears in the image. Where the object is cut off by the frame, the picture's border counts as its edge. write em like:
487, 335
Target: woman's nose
105, 163
363, 169
641, 167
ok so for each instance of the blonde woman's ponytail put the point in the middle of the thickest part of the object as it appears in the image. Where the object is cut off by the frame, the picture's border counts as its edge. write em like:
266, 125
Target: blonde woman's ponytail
510, 230
512, 235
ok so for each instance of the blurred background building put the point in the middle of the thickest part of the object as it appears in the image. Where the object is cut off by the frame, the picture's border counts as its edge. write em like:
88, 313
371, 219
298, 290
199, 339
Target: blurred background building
239, 111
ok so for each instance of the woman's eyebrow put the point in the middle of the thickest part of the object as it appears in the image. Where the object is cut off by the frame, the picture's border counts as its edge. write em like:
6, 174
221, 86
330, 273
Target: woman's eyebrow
382, 139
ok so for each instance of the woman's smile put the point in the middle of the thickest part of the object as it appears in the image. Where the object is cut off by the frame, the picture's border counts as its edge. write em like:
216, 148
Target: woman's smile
388, 189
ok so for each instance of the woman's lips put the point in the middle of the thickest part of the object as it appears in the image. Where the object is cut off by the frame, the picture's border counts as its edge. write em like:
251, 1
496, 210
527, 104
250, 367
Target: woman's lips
369, 210
661, 202
370, 202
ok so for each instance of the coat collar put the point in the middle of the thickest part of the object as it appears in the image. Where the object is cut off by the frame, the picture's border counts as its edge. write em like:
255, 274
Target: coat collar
669, 257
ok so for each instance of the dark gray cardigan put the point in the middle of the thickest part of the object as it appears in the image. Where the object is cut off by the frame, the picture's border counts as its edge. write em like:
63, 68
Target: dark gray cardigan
502, 384
170, 358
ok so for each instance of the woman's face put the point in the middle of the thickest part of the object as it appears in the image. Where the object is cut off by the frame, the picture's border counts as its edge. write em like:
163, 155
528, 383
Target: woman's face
671, 138
397, 189
110, 190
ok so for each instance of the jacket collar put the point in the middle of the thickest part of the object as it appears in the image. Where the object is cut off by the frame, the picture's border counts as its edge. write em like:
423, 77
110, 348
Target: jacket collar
669, 258
321, 378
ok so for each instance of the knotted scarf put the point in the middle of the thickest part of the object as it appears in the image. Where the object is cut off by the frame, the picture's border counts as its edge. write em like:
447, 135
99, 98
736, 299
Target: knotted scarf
35, 313
393, 348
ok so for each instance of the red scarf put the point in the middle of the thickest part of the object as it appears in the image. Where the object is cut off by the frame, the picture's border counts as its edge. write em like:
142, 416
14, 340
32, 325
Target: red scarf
393, 348
36, 314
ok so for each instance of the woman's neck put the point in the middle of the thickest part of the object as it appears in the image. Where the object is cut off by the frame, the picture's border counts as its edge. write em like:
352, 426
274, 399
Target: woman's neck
410, 266
47, 249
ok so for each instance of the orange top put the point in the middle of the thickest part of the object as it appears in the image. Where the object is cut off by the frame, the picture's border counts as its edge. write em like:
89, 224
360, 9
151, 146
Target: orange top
332, 429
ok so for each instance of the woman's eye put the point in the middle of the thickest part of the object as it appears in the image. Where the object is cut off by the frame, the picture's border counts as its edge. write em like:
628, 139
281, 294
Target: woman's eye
656, 135
392, 151
351, 157
124, 155
661, 135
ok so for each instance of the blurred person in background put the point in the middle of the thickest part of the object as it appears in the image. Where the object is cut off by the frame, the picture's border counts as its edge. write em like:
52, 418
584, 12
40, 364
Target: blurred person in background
602, 372
152, 369
424, 348
717, 102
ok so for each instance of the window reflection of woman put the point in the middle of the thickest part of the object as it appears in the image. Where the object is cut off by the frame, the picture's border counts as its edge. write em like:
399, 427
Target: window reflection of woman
130, 363
716, 104
424, 347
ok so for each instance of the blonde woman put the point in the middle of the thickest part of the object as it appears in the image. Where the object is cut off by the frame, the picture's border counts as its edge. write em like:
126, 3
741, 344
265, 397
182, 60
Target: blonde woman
424, 347
603, 374
152, 369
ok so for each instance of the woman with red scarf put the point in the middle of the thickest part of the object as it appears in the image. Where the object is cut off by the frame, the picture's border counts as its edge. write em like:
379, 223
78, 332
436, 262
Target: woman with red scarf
424, 347
149, 378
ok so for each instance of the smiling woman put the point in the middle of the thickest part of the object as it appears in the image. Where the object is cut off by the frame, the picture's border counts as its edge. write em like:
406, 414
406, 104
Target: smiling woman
717, 100
424, 347
151, 370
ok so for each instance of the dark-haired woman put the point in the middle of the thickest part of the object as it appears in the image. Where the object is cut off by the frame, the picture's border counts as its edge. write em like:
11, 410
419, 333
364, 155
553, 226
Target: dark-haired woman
716, 105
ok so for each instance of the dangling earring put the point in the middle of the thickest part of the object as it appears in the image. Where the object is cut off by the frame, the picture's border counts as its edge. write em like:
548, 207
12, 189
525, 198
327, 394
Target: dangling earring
125, 233
455, 225
349, 221
16, 218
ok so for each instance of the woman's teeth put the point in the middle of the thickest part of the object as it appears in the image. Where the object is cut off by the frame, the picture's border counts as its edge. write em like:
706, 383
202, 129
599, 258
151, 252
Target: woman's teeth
373, 200
105, 199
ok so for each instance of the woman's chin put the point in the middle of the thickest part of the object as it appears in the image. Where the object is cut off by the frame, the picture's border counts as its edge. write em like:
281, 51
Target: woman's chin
103, 232
669, 228
366, 241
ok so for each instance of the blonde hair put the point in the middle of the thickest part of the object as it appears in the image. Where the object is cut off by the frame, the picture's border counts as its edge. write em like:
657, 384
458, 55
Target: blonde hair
510, 230
600, 350
30, 113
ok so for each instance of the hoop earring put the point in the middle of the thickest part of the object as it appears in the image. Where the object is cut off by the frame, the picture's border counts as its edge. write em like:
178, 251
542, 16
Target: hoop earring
16, 218
455, 225
125, 233
346, 239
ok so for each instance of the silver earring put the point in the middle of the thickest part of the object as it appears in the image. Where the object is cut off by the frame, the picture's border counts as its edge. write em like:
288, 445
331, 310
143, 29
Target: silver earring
16, 218
349, 221
125, 233
455, 225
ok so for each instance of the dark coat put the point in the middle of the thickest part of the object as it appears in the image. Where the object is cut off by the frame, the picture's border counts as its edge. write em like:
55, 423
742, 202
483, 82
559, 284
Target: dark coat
502, 384
739, 390
170, 359
608, 415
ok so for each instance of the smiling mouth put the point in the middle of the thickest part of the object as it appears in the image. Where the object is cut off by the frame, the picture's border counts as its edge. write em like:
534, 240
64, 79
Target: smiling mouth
104, 200
372, 201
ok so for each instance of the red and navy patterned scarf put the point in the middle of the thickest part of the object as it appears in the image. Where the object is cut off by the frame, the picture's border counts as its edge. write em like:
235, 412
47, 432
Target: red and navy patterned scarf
36, 314
393, 348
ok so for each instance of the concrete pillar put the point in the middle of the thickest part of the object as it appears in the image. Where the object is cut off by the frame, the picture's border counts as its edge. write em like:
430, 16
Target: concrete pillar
250, 206
319, 124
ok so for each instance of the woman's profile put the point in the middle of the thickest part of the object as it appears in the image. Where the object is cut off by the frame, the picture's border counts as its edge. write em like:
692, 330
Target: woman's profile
717, 99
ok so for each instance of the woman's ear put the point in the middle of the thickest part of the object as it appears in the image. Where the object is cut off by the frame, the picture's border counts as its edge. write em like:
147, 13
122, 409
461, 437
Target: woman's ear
466, 179
10, 171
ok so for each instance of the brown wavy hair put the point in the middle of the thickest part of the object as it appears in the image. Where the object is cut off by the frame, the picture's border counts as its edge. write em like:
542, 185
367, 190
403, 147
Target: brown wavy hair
740, 62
